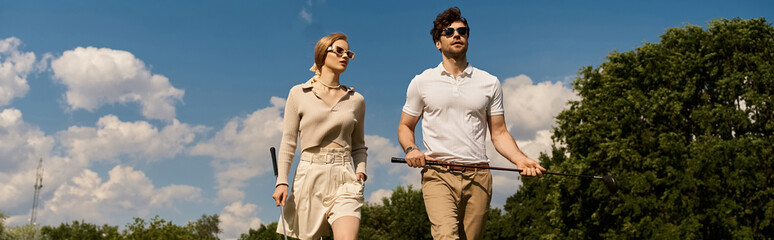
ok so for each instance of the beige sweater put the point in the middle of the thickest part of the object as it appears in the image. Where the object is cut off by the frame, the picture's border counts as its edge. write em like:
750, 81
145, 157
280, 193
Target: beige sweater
308, 117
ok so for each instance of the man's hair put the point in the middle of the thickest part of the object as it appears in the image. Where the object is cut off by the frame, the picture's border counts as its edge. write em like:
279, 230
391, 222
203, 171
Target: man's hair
445, 19
322, 48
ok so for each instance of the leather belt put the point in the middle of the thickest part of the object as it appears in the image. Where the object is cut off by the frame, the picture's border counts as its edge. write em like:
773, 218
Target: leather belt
326, 156
463, 169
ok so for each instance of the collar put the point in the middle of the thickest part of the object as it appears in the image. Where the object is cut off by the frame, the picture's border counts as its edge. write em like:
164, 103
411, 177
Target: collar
465, 72
308, 85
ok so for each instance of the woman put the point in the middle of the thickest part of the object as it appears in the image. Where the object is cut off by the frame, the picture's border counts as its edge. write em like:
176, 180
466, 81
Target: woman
328, 117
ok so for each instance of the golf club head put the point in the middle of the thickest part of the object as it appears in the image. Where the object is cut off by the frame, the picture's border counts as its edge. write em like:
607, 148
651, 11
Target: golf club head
611, 183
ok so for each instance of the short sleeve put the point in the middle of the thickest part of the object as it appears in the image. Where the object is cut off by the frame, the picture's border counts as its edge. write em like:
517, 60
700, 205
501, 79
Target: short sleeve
496, 102
414, 103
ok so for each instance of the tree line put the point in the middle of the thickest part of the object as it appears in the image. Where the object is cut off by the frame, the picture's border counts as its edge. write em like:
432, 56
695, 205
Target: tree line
684, 124
205, 228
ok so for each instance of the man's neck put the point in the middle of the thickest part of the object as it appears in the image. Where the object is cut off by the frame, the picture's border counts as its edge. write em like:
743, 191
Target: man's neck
455, 65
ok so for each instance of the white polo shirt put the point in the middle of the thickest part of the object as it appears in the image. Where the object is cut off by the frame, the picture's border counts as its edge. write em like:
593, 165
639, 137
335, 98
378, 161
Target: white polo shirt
454, 111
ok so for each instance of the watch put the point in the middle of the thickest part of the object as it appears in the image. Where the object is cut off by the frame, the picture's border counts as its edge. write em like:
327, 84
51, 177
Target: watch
409, 149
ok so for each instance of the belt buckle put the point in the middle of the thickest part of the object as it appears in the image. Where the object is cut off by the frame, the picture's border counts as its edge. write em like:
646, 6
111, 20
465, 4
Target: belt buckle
331, 157
456, 168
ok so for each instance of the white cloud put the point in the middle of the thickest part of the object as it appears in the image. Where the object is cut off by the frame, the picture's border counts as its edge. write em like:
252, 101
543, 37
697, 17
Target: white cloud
14, 68
380, 152
232, 177
241, 149
112, 138
247, 138
238, 218
241, 152
530, 107
21, 147
305, 15
530, 112
19, 141
93, 77
165, 196
42, 64
412, 177
9, 117
99, 76
541, 144
376, 196
127, 193
71, 191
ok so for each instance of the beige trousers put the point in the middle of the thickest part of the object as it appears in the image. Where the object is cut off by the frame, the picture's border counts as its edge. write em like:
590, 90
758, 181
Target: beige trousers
456, 201
325, 188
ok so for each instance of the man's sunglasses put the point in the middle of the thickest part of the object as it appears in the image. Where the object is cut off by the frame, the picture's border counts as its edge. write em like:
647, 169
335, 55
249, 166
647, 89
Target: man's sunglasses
341, 52
450, 31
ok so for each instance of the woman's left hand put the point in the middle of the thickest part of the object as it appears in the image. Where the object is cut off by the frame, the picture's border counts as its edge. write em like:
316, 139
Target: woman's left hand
361, 176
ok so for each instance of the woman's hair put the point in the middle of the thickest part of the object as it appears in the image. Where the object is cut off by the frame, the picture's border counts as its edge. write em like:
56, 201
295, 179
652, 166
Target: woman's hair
321, 50
445, 19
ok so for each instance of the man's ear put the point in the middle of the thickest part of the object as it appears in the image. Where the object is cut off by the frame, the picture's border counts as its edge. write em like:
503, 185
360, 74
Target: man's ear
438, 45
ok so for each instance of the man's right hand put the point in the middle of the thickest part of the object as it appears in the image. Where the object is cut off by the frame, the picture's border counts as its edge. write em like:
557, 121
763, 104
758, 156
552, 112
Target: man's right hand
280, 194
415, 158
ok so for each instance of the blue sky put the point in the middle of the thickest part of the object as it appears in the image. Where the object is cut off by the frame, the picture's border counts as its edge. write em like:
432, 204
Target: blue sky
141, 108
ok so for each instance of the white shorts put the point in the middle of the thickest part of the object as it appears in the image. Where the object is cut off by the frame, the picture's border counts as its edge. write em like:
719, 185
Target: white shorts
325, 188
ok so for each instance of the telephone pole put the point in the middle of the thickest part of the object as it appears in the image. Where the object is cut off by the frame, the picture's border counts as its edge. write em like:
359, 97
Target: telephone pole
38, 186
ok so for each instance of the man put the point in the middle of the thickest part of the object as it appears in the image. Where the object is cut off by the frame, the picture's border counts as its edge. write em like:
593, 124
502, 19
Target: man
457, 103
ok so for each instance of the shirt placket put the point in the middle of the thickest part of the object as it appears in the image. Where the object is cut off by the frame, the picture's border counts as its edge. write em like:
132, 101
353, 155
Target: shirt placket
455, 83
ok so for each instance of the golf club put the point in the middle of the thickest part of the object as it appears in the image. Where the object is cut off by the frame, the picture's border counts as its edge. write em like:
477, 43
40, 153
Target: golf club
610, 182
282, 211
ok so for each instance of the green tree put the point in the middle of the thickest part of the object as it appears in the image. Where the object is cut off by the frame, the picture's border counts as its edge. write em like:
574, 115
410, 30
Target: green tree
497, 226
80, 230
206, 228
375, 221
157, 228
2, 225
263, 232
684, 124
401, 216
406, 214
23, 232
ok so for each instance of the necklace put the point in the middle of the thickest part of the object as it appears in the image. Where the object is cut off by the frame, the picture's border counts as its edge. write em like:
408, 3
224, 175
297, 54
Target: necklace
329, 86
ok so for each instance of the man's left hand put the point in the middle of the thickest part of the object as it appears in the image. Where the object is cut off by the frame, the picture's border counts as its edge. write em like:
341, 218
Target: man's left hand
529, 167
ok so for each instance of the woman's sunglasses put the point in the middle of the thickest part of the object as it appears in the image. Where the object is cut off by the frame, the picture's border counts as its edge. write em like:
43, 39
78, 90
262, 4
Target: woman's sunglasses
341, 52
450, 31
